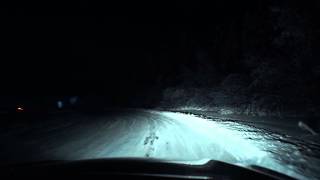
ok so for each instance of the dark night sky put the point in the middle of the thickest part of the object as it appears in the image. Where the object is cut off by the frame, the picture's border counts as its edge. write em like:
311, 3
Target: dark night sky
114, 49
92, 48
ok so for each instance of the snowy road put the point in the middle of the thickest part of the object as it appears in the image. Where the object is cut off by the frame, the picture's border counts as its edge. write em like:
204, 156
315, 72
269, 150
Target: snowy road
155, 134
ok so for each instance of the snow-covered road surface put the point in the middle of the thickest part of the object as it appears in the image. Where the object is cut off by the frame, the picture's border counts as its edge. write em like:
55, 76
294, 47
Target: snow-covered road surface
155, 134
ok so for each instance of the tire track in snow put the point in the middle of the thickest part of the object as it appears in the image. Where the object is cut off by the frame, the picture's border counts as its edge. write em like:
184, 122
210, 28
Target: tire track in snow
150, 140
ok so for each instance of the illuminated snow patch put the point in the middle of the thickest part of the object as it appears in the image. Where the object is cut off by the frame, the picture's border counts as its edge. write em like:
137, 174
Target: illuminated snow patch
217, 141
221, 142
225, 111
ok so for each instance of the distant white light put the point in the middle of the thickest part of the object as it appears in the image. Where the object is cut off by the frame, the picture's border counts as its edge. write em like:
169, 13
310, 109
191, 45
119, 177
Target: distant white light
73, 100
59, 104
19, 108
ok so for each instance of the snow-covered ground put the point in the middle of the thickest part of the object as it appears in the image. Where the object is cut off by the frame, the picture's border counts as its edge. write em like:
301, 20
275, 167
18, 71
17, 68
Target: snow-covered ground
157, 134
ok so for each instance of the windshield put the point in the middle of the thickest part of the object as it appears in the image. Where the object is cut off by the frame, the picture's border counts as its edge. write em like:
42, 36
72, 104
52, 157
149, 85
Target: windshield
181, 82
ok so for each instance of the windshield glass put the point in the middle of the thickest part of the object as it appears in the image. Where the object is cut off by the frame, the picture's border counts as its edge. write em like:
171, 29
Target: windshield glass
181, 82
